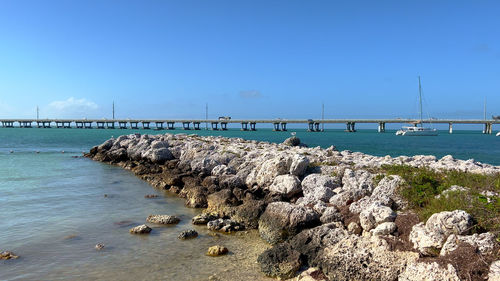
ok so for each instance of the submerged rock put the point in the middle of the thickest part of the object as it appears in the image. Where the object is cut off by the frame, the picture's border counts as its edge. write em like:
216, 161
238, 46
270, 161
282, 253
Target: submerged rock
188, 234
203, 218
141, 229
224, 225
163, 219
7, 255
217, 251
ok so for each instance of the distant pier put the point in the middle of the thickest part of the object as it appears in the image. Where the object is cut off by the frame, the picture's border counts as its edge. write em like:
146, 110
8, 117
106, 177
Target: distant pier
221, 124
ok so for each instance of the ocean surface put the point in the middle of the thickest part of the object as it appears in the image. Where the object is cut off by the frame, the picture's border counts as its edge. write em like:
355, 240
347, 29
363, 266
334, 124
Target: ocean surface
56, 205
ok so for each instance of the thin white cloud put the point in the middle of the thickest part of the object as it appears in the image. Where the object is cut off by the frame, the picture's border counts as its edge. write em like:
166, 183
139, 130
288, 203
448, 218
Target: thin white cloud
72, 107
73, 103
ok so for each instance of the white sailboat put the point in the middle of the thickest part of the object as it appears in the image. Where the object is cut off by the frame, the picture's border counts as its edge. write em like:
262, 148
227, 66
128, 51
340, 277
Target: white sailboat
416, 130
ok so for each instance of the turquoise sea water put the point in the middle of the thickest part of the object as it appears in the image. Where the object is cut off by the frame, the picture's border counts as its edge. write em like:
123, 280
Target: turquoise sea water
50, 195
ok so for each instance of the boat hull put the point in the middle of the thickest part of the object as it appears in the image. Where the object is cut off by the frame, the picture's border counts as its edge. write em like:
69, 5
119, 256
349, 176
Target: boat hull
420, 133
417, 131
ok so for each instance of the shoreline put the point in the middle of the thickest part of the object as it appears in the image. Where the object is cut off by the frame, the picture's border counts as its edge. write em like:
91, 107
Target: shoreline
293, 194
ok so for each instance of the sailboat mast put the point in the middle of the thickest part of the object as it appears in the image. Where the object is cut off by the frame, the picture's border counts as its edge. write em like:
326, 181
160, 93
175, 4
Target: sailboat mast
420, 99
484, 108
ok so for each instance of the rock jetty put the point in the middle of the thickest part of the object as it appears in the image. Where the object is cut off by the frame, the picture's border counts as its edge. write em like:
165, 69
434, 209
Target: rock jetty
330, 211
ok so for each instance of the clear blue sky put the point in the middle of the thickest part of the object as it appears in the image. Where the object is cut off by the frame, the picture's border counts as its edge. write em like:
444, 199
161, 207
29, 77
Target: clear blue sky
260, 59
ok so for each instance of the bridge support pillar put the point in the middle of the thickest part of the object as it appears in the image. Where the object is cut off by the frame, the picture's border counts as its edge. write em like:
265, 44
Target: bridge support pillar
283, 126
145, 125
59, 124
244, 126
196, 125
87, 125
276, 126
185, 125
122, 125
159, 125
215, 126
450, 128
350, 127
381, 127
100, 125
67, 125
316, 127
223, 126
134, 125
79, 125
110, 125
487, 128
170, 125
252, 126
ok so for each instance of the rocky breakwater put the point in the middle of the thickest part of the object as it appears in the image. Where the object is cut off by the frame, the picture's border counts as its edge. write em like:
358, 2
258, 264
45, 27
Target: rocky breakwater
333, 211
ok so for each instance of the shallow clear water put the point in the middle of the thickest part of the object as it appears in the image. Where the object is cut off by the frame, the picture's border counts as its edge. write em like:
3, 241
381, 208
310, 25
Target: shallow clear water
54, 210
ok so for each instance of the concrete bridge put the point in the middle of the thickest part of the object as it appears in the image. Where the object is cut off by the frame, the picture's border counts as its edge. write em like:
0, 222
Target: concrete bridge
313, 125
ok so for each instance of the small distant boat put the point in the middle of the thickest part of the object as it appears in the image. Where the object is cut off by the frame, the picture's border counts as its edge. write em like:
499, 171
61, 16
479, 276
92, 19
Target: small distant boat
498, 134
415, 130
496, 117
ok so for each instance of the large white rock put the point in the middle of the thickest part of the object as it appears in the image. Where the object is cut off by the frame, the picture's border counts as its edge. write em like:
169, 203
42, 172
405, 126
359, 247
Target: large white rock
494, 274
357, 179
425, 241
375, 215
264, 174
319, 187
420, 271
447, 223
385, 228
385, 193
484, 242
299, 165
285, 184
428, 239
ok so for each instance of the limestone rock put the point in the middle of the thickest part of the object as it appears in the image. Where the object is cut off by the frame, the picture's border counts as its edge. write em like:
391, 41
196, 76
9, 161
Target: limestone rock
354, 228
494, 274
217, 251
203, 218
428, 239
7, 255
292, 141
224, 225
358, 179
485, 243
385, 228
286, 184
319, 187
163, 219
281, 220
363, 258
330, 214
311, 242
188, 234
141, 229
375, 215
299, 165
447, 223
280, 261
419, 271
311, 274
